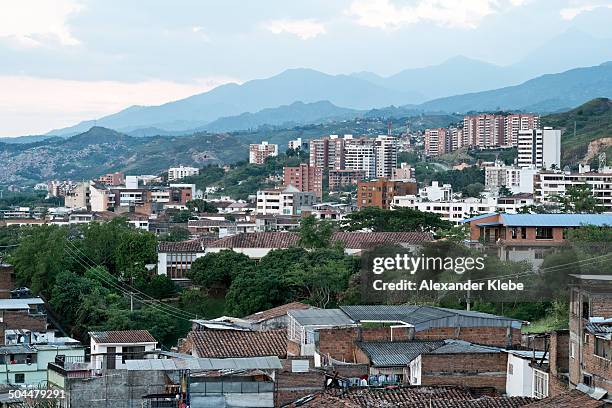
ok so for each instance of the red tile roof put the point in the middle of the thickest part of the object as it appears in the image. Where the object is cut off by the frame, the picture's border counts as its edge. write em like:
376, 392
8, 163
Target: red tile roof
194, 245
238, 343
123, 336
351, 240
571, 399
410, 397
275, 312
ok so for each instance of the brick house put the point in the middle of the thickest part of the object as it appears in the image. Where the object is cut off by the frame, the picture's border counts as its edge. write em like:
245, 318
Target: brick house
530, 229
590, 348
528, 237
333, 334
22, 314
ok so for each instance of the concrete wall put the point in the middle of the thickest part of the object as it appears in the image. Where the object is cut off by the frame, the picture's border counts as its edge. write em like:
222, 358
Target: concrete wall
116, 389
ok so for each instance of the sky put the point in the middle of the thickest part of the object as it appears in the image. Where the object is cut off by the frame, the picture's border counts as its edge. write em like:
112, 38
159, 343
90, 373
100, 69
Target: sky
63, 61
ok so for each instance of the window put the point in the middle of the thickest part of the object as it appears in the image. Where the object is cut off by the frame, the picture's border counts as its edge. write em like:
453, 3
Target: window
510, 369
523, 233
602, 348
133, 353
544, 233
19, 378
585, 307
540, 384
587, 380
514, 232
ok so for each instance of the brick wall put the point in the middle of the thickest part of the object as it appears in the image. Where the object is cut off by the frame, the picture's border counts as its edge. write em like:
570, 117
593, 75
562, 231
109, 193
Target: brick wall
466, 369
599, 368
558, 362
351, 370
291, 386
386, 334
339, 343
7, 275
490, 336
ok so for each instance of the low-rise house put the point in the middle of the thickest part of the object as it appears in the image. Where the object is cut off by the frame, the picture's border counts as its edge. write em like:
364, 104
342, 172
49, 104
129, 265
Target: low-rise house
174, 259
332, 334
528, 237
520, 372
22, 314
26, 364
111, 349
258, 245
236, 343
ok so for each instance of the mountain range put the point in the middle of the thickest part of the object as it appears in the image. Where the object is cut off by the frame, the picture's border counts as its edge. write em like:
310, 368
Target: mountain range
301, 96
100, 150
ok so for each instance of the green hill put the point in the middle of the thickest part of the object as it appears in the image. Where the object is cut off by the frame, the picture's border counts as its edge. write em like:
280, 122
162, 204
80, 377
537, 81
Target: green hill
593, 121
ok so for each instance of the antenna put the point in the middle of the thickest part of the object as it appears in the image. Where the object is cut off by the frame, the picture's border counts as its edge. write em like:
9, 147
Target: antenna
389, 128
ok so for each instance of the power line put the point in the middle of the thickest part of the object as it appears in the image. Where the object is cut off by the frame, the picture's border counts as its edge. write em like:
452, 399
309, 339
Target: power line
130, 288
155, 304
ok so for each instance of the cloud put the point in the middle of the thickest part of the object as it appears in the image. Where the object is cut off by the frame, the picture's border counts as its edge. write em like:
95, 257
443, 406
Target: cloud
390, 15
569, 13
31, 105
199, 31
304, 29
32, 23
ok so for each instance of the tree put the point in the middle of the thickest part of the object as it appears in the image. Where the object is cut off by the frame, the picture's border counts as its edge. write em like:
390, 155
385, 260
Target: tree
474, 189
315, 234
253, 291
504, 191
176, 234
181, 217
321, 280
219, 269
579, 199
41, 256
399, 219
199, 205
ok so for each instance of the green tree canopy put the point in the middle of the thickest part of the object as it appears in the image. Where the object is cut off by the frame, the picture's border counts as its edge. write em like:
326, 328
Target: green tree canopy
219, 269
399, 219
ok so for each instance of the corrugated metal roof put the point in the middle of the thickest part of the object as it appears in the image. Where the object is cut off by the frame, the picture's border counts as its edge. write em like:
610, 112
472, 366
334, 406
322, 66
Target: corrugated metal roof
556, 220
396, 353
264, 363
18, 304
461, 347
321, 317
424, 317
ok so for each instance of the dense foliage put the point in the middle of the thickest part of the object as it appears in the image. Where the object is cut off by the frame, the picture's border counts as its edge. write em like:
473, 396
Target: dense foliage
85, 272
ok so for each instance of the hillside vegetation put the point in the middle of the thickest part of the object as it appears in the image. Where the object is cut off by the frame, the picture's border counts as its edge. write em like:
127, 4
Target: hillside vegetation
593, 122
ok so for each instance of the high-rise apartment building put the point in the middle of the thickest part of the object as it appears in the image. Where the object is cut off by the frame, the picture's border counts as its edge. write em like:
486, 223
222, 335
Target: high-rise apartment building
515, 123
327, 152
435, 141
385, 148
539, 148
304, 178
359, 154
490, 130
258, 153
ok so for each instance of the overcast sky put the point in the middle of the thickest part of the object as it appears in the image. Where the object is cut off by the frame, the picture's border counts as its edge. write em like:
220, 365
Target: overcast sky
62, 61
